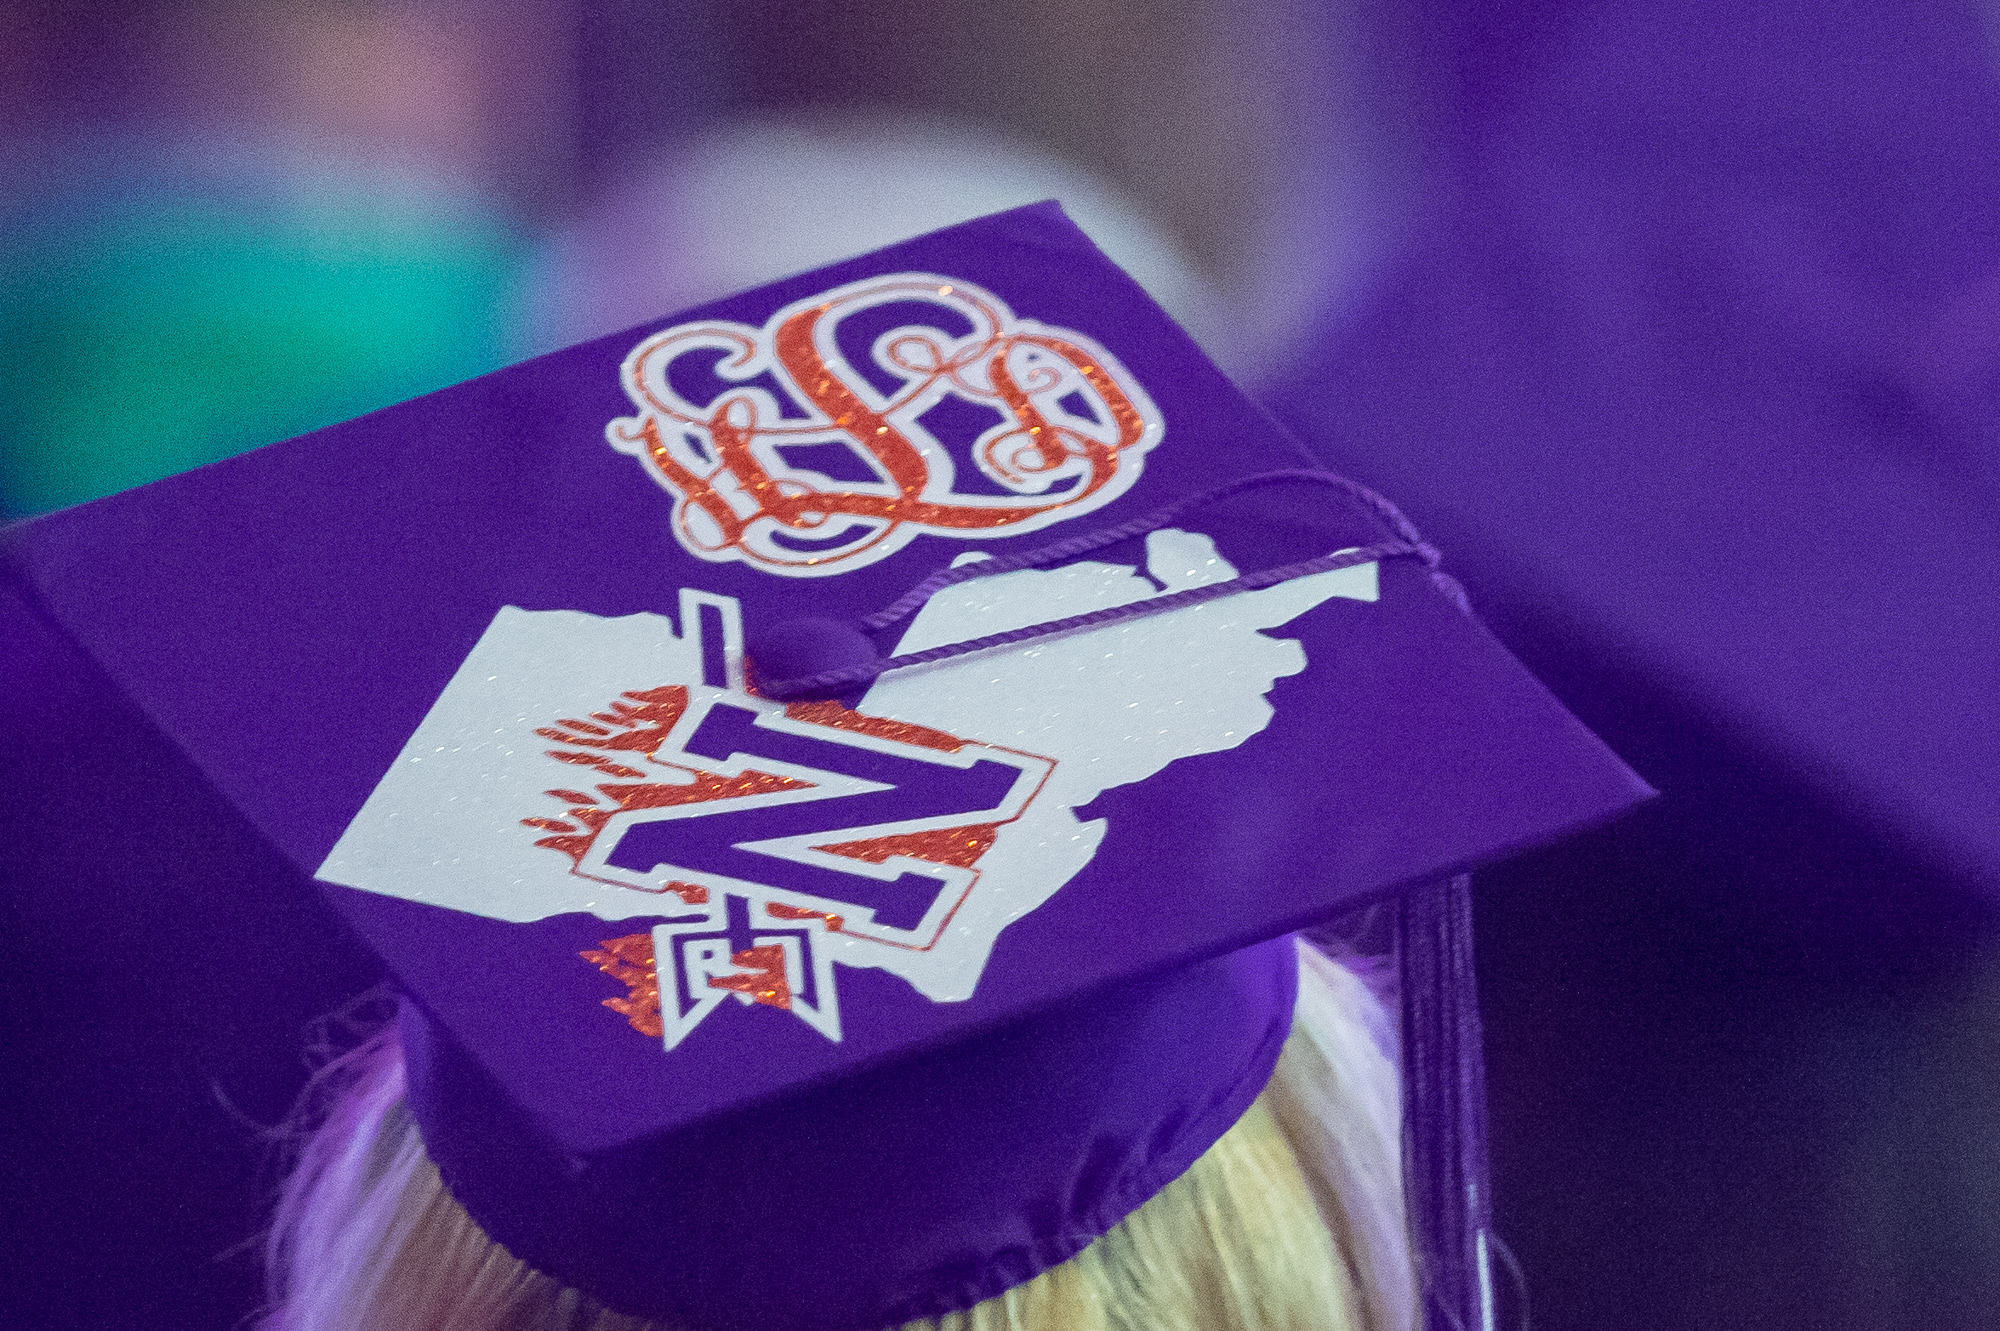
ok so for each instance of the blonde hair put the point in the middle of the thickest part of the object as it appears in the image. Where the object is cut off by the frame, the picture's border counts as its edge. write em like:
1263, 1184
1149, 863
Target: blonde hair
1293, 1221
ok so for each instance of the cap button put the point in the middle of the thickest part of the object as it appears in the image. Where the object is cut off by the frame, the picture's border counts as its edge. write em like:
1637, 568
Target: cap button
797, 648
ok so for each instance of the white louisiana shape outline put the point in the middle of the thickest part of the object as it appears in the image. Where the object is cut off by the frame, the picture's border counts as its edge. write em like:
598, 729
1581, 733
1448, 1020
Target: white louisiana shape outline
672, 435
444, 824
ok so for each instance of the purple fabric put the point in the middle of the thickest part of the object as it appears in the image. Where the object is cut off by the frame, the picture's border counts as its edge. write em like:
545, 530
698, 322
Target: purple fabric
911, 1191
1684, 349
1691, 359
289, 617
160, 965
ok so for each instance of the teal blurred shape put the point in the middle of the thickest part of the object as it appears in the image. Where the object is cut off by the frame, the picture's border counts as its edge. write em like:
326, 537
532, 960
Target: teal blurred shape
153, 327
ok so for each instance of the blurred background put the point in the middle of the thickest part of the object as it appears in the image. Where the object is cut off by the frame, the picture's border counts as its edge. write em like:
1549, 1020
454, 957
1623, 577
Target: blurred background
1593, 287
285, 214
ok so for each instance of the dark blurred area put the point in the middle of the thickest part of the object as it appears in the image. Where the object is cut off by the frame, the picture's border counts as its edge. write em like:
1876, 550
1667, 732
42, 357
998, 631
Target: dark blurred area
1680, 269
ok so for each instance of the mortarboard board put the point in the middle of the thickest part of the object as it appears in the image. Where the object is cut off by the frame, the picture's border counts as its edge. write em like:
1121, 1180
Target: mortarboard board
727, 1002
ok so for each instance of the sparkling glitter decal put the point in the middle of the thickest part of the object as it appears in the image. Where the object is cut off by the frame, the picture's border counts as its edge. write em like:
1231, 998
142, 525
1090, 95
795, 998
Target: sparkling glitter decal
830, 713
961, 846
629, 960
639, 726
778, 910
638, 722
763, 978
719, 404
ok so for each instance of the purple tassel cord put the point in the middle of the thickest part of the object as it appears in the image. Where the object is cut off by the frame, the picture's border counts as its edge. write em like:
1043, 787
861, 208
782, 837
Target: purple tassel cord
861, 668
1444, 1125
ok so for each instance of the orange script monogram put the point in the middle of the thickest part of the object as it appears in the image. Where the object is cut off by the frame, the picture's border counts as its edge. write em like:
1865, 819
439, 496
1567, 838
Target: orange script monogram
854, 420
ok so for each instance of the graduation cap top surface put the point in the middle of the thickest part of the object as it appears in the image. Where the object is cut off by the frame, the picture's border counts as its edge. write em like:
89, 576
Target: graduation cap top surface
477, 661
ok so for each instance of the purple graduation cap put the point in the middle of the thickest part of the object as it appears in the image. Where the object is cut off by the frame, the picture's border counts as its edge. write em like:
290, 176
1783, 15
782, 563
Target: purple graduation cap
833, 774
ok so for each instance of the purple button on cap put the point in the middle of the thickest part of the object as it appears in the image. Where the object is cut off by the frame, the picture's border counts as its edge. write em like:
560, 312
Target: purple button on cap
800, 648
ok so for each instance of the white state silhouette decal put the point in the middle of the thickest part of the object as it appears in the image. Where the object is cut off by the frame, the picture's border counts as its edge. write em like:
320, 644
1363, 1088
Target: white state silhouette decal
621, 768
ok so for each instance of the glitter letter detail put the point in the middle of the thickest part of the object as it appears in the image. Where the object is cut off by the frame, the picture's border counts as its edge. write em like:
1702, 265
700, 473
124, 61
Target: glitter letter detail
854, 420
